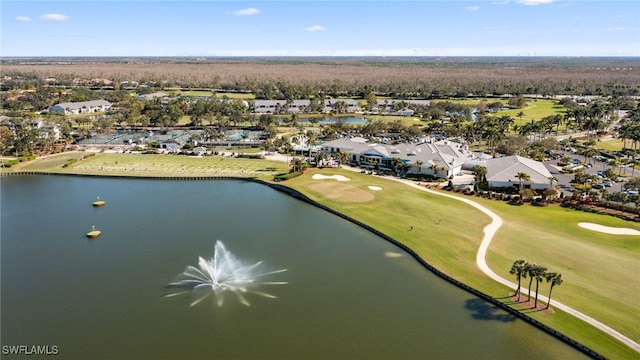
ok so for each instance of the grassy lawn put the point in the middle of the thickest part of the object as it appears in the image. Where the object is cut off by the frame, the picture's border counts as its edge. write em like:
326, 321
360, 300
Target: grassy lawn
406, 120
599, 270
244, 96
157, 165
535, 110
612, 145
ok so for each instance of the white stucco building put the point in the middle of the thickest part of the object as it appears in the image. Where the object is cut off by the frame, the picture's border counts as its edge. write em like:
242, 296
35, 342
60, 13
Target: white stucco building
502, 171
83, 107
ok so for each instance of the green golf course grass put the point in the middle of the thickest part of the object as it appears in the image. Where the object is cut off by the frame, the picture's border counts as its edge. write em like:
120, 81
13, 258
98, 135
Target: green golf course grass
599, 270
156, 165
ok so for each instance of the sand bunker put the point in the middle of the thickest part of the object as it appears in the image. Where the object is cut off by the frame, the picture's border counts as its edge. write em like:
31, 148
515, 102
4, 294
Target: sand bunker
337, 177
608, 229
375, 188
342, 192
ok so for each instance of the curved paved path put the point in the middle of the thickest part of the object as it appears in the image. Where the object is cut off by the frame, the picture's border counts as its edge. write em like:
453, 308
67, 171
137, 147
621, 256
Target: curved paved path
489, 231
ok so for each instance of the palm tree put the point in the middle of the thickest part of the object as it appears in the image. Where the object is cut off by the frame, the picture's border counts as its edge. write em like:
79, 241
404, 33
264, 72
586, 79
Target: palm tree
342, 157
311, 140
296, 164
397, 165
539, 274
419, 163
517, 269
480, 172
374, 162
434, 169
523, 176
555, 279
529, 270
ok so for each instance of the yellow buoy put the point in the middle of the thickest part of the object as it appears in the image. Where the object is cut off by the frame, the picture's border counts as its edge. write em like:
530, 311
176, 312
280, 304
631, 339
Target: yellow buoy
94, 233
99, 202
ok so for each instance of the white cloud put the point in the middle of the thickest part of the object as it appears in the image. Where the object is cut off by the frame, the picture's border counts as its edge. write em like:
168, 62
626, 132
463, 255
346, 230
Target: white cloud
472, 8
504, 2
54, 17
22, 18
535, 2
246, 12
315, 28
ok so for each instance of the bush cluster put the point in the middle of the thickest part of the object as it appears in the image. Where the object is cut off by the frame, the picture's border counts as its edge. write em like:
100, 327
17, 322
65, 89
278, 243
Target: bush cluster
250, 156
10, 163
286, 176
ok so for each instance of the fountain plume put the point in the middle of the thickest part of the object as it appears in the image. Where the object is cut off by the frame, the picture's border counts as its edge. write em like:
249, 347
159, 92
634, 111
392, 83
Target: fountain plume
222, 274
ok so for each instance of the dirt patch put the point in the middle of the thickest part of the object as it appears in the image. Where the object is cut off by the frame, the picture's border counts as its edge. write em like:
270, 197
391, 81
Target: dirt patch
342, 192
528, 304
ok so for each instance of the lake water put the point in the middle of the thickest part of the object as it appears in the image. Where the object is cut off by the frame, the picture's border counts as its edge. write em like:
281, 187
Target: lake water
104, 298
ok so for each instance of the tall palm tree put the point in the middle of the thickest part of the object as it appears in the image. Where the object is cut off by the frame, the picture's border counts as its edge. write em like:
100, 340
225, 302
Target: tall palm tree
434, 169
523, 176
556, 280
419, 163
539, 273
311, 140
529, 270
517, 269
397, 165
480, 172
342, 157
296, 164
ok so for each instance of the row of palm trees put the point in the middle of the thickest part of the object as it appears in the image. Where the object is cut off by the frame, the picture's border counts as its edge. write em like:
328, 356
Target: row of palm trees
522, 269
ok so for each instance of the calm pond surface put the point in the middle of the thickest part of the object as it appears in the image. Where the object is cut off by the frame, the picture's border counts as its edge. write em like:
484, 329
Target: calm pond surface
104, 298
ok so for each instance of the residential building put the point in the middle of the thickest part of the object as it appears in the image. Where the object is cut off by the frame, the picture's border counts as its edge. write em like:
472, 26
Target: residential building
440, 159
83, 107
502, 171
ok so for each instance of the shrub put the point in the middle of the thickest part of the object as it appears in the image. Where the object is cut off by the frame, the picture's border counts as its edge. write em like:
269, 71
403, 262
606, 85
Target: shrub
250, 156
10, 163
69, 163
286, 176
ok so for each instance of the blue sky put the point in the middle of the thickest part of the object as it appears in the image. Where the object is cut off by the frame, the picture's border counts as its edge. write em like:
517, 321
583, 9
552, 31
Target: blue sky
320, 28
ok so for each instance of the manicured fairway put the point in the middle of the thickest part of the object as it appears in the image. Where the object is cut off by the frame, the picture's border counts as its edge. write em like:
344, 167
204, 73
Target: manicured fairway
599, 269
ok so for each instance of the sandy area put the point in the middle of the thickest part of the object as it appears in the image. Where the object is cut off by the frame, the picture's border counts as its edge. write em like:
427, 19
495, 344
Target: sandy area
337, 177
375, 188
608, 229
342, 192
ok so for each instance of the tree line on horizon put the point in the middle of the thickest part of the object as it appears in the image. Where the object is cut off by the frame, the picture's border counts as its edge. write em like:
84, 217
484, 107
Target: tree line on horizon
307, 79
